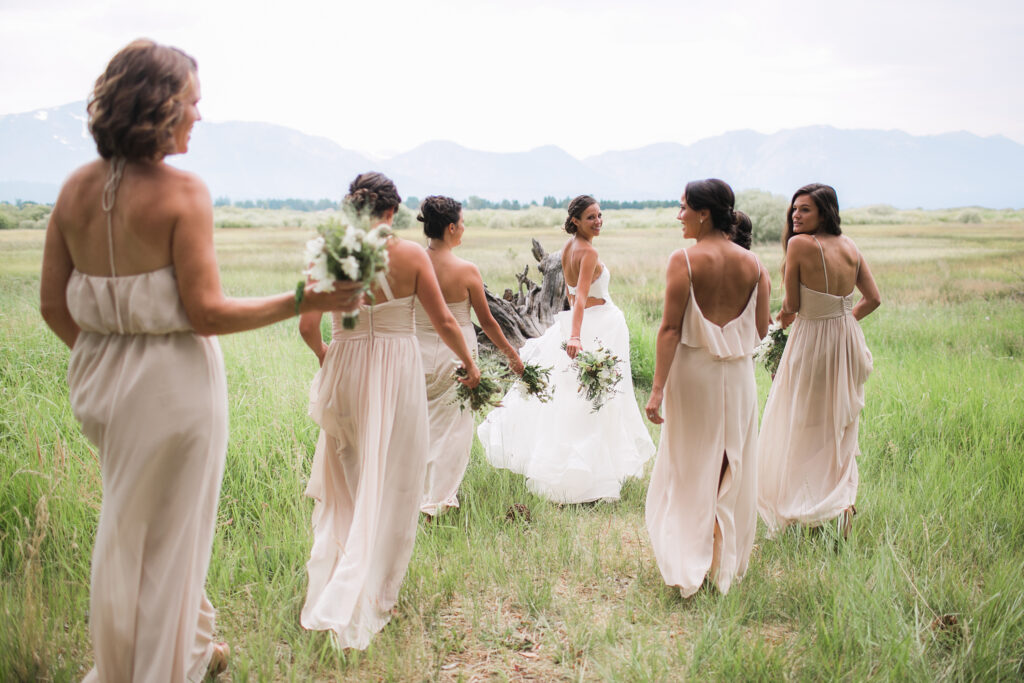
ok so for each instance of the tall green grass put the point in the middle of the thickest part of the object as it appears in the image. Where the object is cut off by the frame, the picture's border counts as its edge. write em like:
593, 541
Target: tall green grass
575, 592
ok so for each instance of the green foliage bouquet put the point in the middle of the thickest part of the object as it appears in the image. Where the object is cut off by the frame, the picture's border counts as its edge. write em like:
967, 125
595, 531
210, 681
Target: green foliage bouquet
769, 351
347, 250
598, 372
535, 381
486, 394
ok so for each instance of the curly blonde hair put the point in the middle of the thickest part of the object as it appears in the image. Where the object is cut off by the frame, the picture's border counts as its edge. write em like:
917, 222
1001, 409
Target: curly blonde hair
139, 99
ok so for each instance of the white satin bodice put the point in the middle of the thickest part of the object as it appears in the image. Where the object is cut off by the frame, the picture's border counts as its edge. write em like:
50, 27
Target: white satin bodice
599, 288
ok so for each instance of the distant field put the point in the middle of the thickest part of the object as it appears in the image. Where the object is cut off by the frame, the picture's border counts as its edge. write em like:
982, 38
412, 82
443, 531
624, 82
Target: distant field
928, 587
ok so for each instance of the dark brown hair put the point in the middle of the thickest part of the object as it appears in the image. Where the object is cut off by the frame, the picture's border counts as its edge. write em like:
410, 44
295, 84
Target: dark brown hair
373, 192
139, 99
437, 213
717, 197
742, 230
824, 197
576, 208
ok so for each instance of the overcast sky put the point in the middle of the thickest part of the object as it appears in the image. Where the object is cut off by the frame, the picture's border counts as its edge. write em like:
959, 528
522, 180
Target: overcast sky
586, 75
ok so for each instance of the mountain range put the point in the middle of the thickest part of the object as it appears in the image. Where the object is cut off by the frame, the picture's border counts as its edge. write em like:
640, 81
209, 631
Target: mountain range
246, 160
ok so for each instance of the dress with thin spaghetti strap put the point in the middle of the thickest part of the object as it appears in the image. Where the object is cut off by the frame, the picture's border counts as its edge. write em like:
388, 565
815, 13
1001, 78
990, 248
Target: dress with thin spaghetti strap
451, 427
567, 452
710, 410
807, 450
151, 395
370, 401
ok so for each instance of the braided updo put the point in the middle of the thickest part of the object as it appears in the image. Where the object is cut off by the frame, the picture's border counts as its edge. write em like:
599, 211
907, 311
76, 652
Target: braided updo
576, 208
437, 213
373, 192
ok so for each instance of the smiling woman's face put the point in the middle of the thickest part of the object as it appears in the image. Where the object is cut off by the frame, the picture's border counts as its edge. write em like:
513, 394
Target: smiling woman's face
806, 218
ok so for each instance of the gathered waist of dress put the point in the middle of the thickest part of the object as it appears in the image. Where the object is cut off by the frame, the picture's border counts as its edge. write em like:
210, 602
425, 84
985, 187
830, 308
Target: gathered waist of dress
460, 310
815, 305
189, 332
840, 307
351, 335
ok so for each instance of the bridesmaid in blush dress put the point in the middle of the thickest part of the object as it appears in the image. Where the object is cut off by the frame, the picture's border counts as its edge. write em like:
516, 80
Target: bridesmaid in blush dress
807, 454
701, 504
130, 284
370, 401
451, 428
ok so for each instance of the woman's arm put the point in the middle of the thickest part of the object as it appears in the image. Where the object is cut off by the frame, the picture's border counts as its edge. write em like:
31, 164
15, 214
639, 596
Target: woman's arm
57, 267
478, 300
677, 295
195, 262
762, 311
429, 293
588, 266
791, 283
870, 298
309, 329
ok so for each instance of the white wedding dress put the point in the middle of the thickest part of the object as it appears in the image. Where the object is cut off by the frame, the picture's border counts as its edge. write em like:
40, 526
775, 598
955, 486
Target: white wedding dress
568, 452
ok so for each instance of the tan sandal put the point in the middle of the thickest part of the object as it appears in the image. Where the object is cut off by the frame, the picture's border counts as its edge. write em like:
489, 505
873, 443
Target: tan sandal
218, 660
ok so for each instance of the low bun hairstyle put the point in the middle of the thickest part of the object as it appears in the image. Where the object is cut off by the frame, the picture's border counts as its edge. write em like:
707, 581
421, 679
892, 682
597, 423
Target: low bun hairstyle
374, 193
742, 229
576, 208
824, 197
139, 99
437, 213
717, 197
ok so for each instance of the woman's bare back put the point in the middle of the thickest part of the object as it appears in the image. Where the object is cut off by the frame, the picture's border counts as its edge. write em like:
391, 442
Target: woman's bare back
146, 208
723, 277
842, 260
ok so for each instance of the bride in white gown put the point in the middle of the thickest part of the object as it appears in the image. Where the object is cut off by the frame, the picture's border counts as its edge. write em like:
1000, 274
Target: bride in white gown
568, 452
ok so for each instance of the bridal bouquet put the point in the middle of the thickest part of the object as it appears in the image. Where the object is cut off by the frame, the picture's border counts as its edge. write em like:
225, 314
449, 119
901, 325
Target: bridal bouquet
487, 393
598, 373
769, 352
535, 381
347, 250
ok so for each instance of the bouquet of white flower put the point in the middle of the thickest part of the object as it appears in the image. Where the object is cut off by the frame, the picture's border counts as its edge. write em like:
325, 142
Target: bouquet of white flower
346, 250
769, 352
598, 373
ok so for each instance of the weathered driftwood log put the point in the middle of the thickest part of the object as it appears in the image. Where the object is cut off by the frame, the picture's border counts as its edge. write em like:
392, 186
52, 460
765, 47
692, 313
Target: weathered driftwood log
532, 309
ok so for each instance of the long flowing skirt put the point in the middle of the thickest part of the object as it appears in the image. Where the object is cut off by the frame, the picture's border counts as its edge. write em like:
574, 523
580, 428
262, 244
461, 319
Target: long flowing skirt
367, 480
451, 428
807, 452
695, 523
568, 452
155, 406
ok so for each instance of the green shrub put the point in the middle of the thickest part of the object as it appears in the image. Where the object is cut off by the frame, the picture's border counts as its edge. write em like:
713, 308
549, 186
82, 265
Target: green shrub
767, 213
24, 216
404, 218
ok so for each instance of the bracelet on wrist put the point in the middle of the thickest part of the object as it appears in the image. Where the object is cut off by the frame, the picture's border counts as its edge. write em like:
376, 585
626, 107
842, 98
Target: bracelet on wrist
300, 293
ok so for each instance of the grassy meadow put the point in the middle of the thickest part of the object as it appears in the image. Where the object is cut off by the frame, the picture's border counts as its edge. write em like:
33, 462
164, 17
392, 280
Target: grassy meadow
930, 585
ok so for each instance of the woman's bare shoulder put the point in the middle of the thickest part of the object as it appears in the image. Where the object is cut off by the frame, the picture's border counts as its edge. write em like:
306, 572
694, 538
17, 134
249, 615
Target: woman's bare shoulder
86, 180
